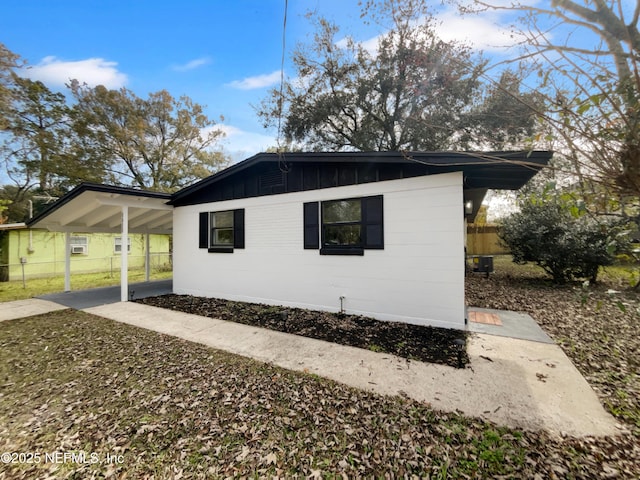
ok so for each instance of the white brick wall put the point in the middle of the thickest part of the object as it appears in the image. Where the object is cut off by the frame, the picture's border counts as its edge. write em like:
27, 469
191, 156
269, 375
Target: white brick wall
417, 278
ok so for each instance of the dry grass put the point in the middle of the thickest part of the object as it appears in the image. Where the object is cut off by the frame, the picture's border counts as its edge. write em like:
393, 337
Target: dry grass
15, 290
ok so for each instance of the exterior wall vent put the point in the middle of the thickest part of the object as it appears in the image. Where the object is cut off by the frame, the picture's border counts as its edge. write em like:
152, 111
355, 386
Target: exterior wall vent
273, 178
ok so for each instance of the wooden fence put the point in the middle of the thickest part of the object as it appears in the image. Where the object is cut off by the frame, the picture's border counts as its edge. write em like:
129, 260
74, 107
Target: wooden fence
483, 240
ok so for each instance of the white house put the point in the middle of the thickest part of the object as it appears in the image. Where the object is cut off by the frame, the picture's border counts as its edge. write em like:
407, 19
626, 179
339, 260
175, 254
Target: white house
380, 234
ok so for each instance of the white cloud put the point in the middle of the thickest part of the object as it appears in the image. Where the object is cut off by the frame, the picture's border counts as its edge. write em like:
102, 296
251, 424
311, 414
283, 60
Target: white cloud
228, 130
259, 81
481, 31
487, 31
192, 65
370, 45
496, 3
93, 71
240, 144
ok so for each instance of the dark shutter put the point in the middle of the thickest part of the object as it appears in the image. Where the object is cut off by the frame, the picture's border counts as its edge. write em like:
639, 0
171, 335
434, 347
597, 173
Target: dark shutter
372, 222
204, 229
238, 228
311, 226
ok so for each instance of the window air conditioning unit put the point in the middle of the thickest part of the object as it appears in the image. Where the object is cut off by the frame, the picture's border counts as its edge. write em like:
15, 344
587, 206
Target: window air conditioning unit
79, 249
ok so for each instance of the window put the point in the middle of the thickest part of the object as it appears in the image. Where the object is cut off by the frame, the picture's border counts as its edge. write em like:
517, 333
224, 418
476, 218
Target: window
117, 244
221, 229
221, 232
79, 245
342, 223
345, 226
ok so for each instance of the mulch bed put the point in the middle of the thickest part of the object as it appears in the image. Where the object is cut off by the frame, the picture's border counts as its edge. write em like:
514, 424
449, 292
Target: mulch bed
413, 342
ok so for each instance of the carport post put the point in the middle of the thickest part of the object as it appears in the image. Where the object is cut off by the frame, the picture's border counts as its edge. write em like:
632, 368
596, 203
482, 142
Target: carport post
124, 257
67, 261
147, 258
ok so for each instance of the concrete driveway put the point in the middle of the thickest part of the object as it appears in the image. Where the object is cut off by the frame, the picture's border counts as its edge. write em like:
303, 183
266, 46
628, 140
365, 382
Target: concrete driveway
80, 299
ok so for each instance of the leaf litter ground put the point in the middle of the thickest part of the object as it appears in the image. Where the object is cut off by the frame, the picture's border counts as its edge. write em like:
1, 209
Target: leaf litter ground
72, 382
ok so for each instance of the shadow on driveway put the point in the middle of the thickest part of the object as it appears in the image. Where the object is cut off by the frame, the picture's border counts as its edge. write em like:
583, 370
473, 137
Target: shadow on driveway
94, 297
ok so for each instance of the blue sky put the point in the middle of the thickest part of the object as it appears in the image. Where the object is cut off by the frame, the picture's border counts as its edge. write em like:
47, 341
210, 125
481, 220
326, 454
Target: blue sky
224, 54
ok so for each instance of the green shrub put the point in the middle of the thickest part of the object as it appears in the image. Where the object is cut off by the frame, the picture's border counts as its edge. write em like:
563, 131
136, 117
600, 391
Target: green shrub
556, 233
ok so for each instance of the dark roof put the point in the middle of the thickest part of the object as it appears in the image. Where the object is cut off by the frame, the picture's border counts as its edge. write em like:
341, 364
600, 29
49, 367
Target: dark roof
272, 173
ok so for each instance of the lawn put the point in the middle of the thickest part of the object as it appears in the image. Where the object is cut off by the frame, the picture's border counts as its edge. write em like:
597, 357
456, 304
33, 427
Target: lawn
15, 290
120, 401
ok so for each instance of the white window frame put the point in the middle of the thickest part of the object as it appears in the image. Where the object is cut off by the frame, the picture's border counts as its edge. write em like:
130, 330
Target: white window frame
117, 245
213, 228
79, 241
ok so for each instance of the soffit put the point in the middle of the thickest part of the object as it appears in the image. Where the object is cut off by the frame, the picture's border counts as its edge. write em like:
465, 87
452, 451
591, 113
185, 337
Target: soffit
98, 208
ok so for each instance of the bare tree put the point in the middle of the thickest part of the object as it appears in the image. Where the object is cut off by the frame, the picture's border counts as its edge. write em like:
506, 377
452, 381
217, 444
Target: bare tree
586, 54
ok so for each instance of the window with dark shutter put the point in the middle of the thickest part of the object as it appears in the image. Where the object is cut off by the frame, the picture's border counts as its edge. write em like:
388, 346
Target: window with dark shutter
311, 226
238, 228
346, 226
342, 227
221, 232
203, 236
372, 223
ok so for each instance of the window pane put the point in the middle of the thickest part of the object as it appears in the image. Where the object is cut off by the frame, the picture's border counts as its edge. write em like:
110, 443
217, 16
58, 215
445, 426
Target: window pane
342, 235
75, 240
117, 244
223, 236
222, 219
341, 211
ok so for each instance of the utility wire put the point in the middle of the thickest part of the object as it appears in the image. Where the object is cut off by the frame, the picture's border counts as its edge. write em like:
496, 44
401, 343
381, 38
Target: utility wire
281, 162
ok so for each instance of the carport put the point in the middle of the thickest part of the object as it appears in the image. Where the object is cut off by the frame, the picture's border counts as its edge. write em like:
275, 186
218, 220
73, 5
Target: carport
95, 208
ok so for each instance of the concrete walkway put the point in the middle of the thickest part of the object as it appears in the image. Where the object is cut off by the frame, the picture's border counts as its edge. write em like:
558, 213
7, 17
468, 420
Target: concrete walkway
513, 382
27, 308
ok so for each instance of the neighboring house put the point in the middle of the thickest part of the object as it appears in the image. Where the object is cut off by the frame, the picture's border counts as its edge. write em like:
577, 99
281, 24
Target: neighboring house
42, 252
380, 234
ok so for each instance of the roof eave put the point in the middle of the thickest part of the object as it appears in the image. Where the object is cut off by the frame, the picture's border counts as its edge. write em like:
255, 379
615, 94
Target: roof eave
536, 159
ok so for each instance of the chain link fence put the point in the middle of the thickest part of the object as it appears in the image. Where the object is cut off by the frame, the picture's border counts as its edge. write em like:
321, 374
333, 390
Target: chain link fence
158, 262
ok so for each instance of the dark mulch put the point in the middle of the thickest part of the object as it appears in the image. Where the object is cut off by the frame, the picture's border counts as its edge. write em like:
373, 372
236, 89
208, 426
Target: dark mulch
426, 344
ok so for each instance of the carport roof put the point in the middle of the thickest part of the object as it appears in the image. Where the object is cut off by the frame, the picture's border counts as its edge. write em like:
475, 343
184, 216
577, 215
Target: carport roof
92, 207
